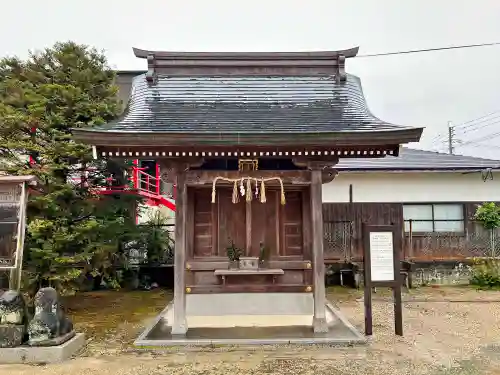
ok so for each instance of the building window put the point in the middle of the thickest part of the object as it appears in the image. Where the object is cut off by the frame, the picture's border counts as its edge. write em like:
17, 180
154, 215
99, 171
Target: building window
434, 217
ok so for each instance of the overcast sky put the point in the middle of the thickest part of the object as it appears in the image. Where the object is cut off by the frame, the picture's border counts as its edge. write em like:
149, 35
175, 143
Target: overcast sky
425, 89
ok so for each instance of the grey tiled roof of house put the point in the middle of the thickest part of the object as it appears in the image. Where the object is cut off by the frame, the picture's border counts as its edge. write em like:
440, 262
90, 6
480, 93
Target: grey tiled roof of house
250, 104
419, 160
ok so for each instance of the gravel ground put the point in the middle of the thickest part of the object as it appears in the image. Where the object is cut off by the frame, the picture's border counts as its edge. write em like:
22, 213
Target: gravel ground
441, 338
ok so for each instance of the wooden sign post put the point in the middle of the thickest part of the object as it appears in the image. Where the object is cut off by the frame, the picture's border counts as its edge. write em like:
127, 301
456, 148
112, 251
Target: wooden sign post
382, 247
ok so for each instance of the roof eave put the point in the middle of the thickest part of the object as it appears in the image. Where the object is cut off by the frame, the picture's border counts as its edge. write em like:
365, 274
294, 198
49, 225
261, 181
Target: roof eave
8, 179
133, 139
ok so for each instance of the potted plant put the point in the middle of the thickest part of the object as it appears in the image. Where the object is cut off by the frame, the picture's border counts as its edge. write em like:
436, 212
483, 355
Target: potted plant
233, 254
264, 256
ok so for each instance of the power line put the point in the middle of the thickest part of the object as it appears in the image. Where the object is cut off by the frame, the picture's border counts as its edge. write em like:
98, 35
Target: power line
475, 121
484, 145
489, 136
471, 125
431, 49
484, 125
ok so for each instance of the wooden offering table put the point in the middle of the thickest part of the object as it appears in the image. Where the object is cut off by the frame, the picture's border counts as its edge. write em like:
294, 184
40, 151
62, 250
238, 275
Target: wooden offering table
249, 272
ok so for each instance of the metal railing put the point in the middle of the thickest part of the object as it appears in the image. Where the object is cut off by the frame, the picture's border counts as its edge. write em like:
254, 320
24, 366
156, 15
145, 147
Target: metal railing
338, 240
473, 241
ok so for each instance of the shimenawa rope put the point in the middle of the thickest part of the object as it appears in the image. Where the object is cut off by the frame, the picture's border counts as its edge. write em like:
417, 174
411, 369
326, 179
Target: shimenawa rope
247, 192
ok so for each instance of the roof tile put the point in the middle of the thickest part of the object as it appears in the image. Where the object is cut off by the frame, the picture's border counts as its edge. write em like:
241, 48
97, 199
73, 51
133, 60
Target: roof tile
250, 104
418, 160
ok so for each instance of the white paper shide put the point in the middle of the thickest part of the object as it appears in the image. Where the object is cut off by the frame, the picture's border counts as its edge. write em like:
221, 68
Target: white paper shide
382, 256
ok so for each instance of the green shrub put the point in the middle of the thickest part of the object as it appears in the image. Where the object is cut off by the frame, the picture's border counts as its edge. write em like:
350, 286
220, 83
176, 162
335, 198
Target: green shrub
486, 273
488, 214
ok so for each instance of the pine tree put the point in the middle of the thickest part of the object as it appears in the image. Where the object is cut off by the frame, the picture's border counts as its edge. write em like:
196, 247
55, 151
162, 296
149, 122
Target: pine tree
71, 231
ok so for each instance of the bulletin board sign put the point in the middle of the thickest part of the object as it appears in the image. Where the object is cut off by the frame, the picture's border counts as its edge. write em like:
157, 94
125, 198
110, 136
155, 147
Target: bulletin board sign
382, 246
10, 223
13, 203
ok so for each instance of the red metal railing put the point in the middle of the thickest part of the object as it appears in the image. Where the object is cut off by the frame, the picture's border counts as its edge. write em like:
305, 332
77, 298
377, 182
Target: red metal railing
144, 184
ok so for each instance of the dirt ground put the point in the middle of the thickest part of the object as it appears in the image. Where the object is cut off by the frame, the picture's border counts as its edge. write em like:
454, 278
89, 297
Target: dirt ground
448, 331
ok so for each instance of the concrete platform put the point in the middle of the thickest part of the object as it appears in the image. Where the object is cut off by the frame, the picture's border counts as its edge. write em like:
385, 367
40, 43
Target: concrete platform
242, 332
42, 354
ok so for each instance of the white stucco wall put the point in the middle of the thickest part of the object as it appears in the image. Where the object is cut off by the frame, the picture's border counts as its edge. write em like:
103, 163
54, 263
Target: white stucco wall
147, 212
412, 187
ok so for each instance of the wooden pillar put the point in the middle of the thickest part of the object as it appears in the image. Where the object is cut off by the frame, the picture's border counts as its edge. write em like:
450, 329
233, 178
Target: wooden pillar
248, 224
15, 277
319, 319
179, 325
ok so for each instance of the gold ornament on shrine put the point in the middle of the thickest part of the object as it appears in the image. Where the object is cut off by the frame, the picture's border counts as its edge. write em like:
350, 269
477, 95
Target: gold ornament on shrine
245, 165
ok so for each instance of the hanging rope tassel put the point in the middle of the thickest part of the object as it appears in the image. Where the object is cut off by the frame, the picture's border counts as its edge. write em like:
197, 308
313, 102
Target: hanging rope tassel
235, 197
262, 192
213, 189
249, 190
283, 200
242, 188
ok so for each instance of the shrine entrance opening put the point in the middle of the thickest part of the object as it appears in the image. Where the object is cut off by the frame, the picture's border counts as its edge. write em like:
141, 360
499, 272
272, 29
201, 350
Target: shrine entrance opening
277, 235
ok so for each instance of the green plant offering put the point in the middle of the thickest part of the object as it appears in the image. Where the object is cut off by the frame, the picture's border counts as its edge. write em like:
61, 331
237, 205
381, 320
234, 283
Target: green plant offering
264, 253
233, 253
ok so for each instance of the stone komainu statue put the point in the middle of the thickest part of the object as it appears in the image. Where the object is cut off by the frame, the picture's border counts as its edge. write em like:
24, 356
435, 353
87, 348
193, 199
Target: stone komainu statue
49, 326
13, 319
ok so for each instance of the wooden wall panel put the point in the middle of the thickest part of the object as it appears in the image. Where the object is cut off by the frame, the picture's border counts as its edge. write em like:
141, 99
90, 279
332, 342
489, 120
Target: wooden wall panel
343, 223
264, 224
295, 277
291, 225
205, 278
281, 228
203, 223
231, 219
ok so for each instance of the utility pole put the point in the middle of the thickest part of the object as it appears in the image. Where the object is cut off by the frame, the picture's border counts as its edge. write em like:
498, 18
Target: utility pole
451, 136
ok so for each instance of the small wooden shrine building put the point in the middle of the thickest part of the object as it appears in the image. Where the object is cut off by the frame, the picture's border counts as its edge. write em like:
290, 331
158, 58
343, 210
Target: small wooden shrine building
248, 139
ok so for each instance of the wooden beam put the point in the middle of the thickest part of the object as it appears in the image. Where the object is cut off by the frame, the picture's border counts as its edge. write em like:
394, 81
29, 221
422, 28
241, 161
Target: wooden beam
328, 175
197, 177
179, 325
202, 265
248, 288
319, 318
316, 162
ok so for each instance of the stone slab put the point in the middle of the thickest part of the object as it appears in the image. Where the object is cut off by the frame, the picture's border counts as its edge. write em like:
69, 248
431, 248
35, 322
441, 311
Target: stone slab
54, 342
340, 333
224, 304
42, 354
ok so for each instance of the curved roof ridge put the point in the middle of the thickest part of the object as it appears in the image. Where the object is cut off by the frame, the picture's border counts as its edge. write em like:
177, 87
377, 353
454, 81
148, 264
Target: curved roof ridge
304, 55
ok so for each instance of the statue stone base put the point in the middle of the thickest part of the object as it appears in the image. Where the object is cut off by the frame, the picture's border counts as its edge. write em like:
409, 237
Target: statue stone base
11, 335
54, 341
13, 319
50, 326
42, 355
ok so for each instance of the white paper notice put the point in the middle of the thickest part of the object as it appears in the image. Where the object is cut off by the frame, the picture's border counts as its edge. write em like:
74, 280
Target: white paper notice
381, 256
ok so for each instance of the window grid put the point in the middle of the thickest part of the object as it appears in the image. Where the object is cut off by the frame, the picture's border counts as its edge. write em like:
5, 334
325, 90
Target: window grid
433, 220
